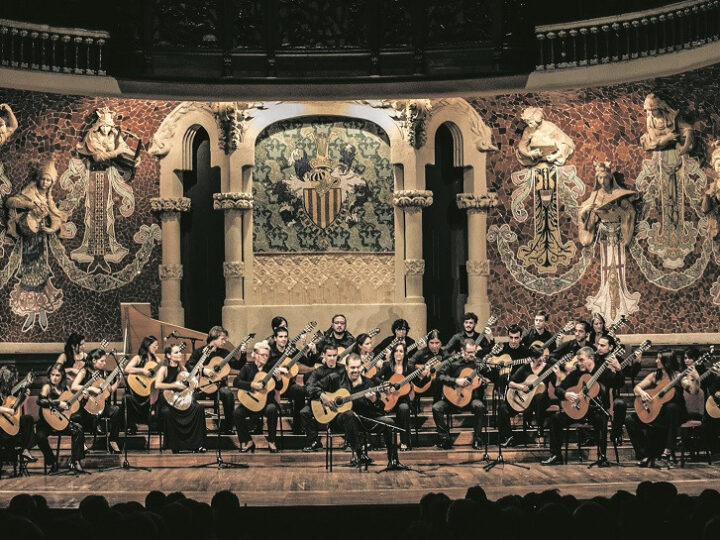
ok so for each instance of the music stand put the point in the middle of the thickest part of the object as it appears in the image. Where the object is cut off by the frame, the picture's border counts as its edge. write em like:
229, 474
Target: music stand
499, 460
395, 430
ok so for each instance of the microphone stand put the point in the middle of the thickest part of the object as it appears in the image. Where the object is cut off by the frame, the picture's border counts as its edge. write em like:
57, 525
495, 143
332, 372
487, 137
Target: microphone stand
219, 462
598, 405
395, 430
500, 460
126, 466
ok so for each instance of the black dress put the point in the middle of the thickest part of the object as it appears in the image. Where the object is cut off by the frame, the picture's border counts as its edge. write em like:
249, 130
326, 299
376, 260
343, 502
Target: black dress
184, 430
43, 430
138, 407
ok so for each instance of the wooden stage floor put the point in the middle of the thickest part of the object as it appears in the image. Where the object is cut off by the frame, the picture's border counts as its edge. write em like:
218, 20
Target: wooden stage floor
296, 479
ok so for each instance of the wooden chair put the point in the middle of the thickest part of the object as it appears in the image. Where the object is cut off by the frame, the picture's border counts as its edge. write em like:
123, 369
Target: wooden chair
691, 431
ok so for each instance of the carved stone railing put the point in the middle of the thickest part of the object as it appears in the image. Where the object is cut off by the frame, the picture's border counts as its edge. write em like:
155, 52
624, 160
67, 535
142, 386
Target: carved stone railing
666, 29
47, 48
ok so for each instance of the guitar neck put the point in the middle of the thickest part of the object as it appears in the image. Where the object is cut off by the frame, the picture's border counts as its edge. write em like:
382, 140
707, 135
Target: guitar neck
709, 371
200, 363
382, 353
85, 386
361, 393
674, 382
232, 353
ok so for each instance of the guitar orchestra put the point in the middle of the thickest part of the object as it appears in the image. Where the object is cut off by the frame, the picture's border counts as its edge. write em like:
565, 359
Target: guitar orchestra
333, 380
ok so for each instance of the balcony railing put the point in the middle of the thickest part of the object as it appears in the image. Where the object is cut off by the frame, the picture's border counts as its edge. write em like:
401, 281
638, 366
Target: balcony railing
61, 50
674, 27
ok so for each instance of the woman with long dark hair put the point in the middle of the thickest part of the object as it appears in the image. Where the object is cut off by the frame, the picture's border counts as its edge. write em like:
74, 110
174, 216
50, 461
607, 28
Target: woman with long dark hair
49, 398
73, 356
96, 362
24, 438
398, 364
138, 407
656, 440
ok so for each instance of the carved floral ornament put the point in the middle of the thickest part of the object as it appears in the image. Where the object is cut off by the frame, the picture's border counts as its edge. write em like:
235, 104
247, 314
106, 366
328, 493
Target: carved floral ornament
414, 267
412, 200
478, 268
232, 201
170, 271
476, 203
234, 269
170, 204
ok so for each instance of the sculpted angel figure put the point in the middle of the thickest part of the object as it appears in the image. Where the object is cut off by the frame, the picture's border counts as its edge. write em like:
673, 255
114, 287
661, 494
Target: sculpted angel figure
8, 123
608, 217
542, 141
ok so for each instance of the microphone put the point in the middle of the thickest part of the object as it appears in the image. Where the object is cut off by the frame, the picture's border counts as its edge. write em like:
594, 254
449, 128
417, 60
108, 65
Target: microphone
171, 335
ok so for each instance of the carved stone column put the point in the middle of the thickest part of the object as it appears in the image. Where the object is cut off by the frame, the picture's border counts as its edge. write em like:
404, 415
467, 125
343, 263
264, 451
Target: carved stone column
412, 202
170, 271
238, 233
478, 266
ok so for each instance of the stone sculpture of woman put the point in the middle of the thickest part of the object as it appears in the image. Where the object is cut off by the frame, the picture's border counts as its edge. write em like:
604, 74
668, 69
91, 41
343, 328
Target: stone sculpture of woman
542, 141
33, 217
608, 217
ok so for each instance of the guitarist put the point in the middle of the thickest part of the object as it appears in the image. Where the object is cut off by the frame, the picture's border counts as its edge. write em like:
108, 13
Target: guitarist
336, 336
96, 362
605, 345
421, 357
399, 364
400, 329
515, 350
649, 439
537, 407
539, 332
139, 406
323, 378
587, 363
449, 375
262, 360
23, 439
49, 394
581, 334
295, 392
710, 425
468, 332
217, 337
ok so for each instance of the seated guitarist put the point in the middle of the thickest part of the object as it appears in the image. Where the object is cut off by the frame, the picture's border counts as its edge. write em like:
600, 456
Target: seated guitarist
400, 329
586, 364
538, 332
337, 336
605, 345
49, 395
537, 407
649, 439
138, 407
421, 357
295, 392
23, 439
468, 332
399, 365
320, 380
581, 333
449, 375
515, 351
710, 425
261, 361
96, 362
217, 337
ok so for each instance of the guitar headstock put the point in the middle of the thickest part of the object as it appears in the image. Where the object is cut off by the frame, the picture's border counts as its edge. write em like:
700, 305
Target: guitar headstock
181, 346
490, 322
569, 326
644, 346
316, 338
374, 332
309, 327
104, 344
617, 324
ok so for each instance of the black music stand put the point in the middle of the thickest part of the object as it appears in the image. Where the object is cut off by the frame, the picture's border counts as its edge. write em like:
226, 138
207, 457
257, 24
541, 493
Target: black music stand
607, 462
219, 462
125, 466
395, 430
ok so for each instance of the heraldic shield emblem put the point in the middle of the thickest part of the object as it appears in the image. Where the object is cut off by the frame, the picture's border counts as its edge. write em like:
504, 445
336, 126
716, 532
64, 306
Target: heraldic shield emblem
323, 200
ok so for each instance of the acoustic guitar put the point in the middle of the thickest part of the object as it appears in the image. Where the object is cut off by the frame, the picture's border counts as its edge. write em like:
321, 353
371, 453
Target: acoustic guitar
209, 384
59, 419
664, 391
143, 386
369, 370
711, 403
587, 388
182, 399
342, 402
10, 423
520, 400
403, 385
460, 396
291, 364
544, 347
95, 403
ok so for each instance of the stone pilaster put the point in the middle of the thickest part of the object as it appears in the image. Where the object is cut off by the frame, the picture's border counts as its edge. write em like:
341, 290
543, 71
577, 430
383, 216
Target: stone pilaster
170, 271
412, 201
237, 207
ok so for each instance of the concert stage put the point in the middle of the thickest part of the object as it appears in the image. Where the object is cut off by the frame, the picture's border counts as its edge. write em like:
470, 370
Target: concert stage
293, 478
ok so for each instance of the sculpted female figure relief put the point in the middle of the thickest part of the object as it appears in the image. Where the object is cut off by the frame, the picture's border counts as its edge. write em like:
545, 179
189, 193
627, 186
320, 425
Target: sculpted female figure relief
33, 217
608, 217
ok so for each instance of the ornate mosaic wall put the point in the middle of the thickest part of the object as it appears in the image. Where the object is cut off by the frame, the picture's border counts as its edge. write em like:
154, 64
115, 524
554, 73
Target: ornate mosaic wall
323, 184
667, 276
67, 260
